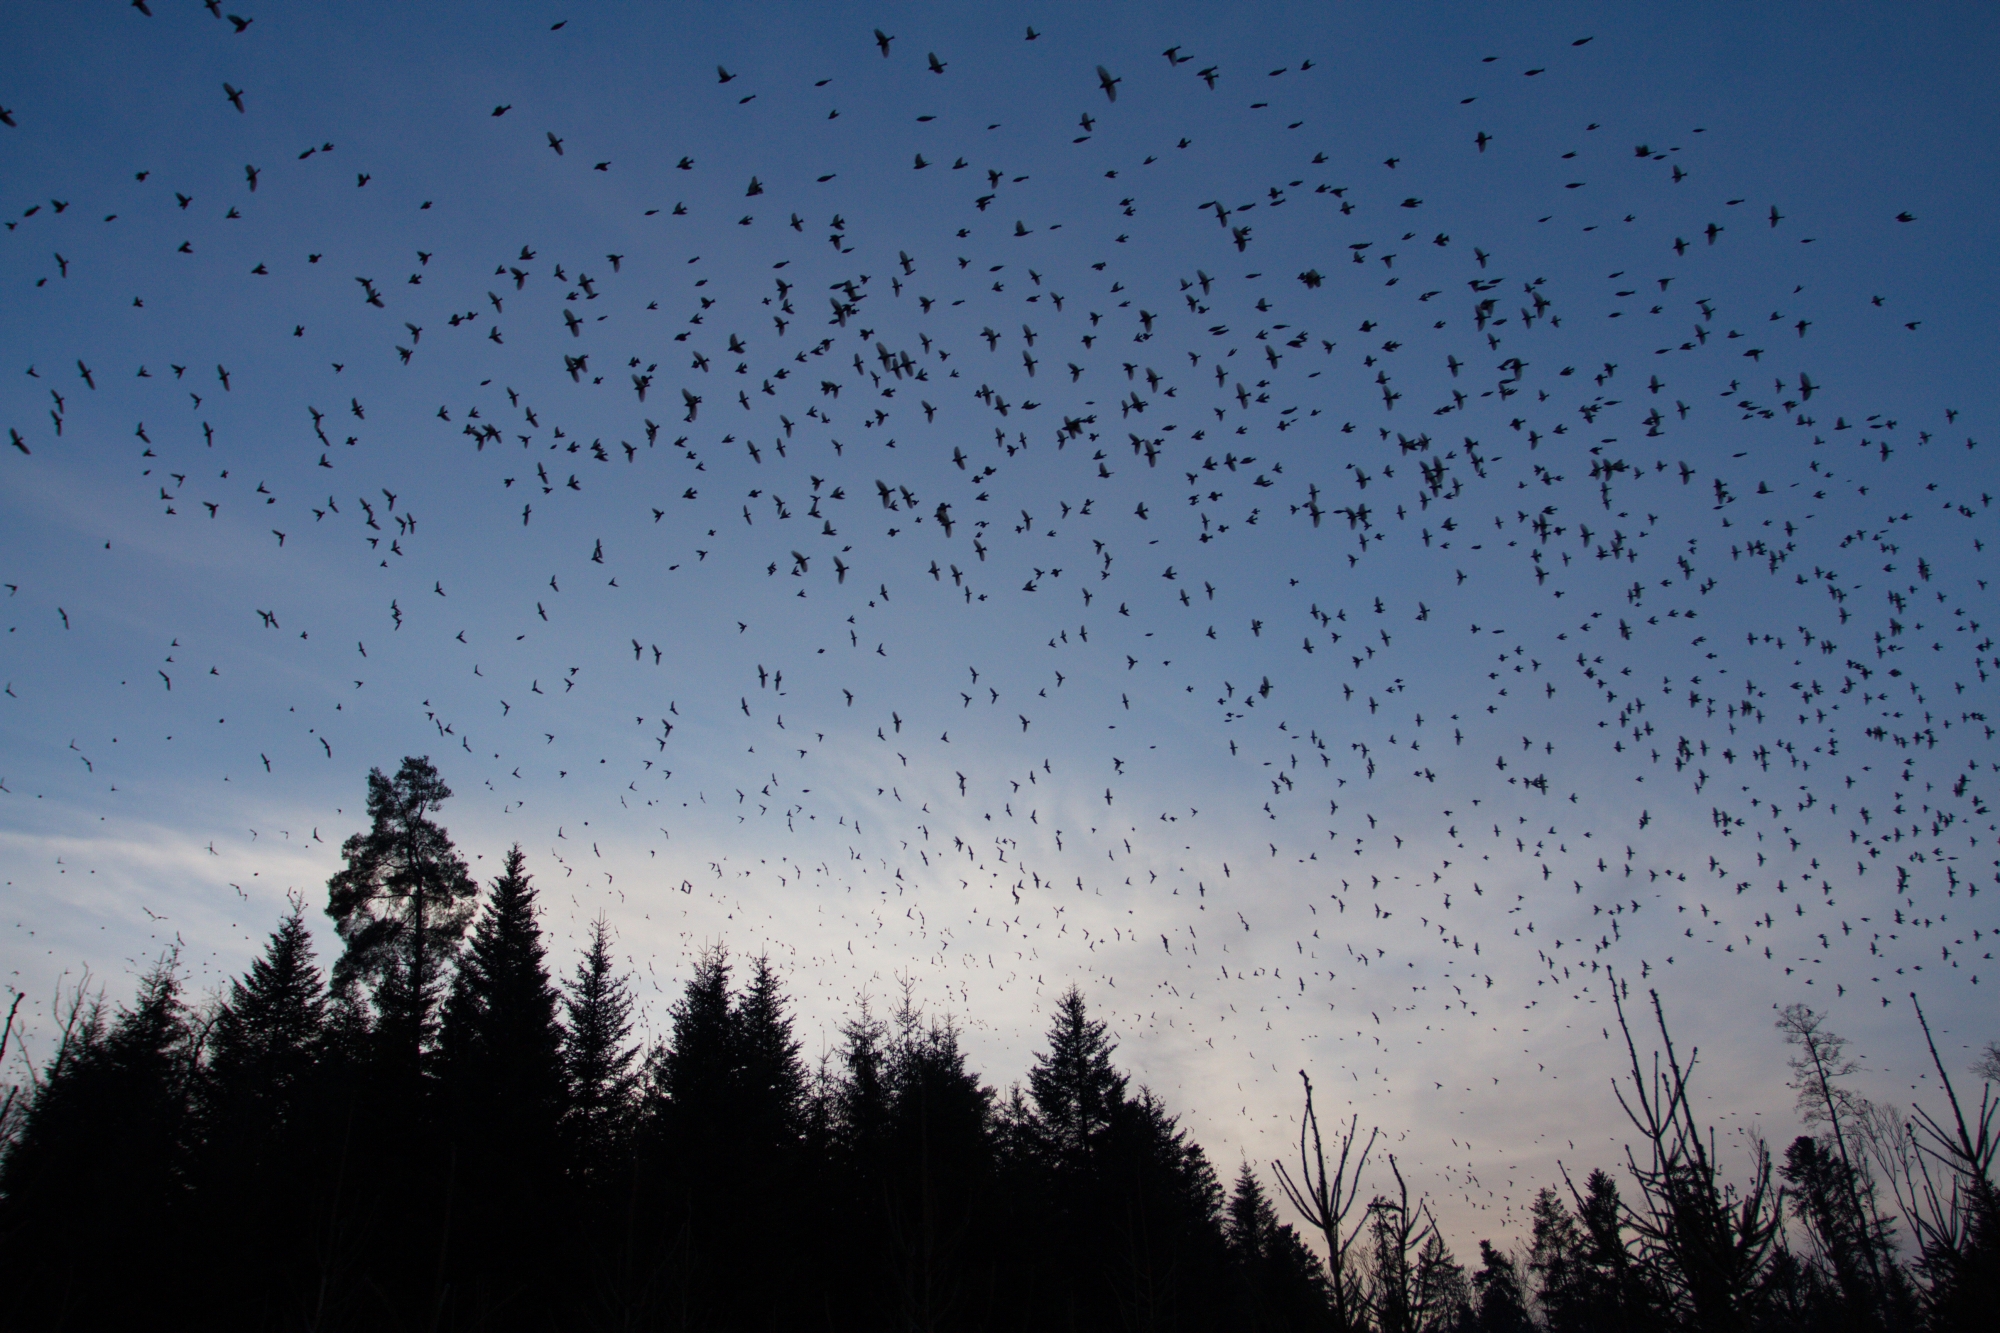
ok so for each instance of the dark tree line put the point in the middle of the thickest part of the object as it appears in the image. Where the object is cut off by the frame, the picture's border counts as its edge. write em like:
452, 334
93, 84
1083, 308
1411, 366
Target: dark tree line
442, 1133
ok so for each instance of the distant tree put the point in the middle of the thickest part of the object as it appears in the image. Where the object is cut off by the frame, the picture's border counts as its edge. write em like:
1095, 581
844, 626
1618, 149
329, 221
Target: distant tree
771, 1080
1126, 1210
1831, 1181
1164, 1206
264, 1045
937, 1167
861, 1098
1987, 1067
1824, 1199
726, 1108
1414, 1284
1556, 1262
692, 1074
501, 1044
1615, 1281
598, 1062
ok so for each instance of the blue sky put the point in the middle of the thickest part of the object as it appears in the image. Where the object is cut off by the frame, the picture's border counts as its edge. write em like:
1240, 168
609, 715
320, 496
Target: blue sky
1494, 755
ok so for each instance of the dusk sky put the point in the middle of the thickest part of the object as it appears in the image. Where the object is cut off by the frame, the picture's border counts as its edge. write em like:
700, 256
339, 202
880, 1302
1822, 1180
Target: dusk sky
1334, 528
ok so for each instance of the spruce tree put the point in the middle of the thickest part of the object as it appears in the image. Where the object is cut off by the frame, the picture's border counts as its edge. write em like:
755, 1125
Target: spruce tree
693, 1072
500, 1062
261, 1098
501, 1044
1278, 1282
264, 1044
597, 1061
1500, 1305
1076, 1090
771, 1079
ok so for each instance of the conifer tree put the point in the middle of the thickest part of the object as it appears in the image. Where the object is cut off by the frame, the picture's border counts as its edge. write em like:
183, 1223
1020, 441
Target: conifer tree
771, 1079
262, 1094
1500, 1304
401, 904
501, 1043
100, 1167
264, 1044
1075, 1088
597, 1061
692, 1073
500, 1063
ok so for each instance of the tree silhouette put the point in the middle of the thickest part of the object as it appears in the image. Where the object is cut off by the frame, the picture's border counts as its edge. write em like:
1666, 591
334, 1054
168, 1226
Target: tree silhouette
1076, 1090
259, 1101
100, 1166
1279, 1285
1706, 1243
501, 1067
1326, 1200
597, 1061
401, 904
299, 1156
1501, 1305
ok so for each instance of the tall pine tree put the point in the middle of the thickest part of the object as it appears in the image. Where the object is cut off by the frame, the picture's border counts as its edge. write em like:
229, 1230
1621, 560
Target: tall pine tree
401, 904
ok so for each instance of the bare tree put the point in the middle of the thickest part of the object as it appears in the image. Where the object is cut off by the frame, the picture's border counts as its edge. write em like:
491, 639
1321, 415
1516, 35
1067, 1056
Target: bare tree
1415, 1286
1988, 1064
1325, 1201
1708, 1242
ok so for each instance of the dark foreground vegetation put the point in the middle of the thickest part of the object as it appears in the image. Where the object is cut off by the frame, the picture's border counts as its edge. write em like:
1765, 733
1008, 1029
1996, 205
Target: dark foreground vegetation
443, 1135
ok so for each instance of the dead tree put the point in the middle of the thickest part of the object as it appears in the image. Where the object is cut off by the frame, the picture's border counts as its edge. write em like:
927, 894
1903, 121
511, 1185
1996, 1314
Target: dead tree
1325, 1201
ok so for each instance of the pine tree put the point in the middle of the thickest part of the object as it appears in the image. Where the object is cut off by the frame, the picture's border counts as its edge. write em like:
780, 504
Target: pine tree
939, 1173
1557, 1262
401, 905
597, 1062
692, 1073
1279, 1284
1615, 1290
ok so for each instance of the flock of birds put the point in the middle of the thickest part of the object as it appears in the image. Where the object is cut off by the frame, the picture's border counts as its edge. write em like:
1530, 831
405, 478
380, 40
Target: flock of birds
965, 578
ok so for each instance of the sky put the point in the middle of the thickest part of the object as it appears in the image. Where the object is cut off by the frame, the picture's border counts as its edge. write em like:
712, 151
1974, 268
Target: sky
921, 514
